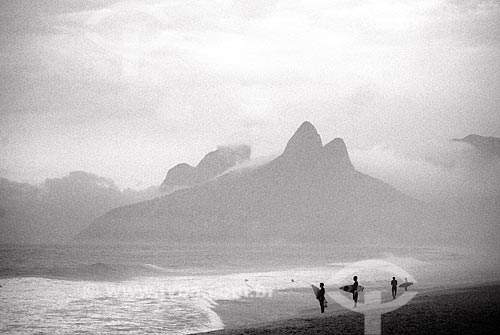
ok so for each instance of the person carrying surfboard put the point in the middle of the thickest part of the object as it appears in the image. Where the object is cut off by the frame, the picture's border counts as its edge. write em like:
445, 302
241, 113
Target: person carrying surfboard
406, 284
394, 284
355, 290
320, 295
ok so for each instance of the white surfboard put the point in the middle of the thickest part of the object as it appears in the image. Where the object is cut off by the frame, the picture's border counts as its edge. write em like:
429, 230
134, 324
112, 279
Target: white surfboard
316, 293
349, 288
315, 290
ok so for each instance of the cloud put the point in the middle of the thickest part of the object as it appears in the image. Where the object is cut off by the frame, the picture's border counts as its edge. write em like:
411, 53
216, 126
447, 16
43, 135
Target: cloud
284, 40
142, 85
434, 170
60, 207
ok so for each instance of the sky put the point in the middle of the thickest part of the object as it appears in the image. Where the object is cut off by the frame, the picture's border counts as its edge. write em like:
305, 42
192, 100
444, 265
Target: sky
128, 89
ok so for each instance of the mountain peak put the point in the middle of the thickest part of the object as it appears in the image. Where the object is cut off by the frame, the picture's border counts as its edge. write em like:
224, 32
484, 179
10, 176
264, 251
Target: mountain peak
304, 141
336, 153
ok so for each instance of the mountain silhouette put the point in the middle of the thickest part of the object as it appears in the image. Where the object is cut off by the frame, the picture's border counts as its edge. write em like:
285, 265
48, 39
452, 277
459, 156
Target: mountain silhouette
310, 192
213, 164
59, 208
488, 145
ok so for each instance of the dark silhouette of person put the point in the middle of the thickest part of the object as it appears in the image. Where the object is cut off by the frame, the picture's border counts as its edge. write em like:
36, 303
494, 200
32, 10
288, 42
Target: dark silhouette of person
321, 297
394, 284
355, 290
406, 287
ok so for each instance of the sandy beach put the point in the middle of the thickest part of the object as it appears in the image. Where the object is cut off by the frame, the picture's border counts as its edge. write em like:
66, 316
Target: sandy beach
458, 310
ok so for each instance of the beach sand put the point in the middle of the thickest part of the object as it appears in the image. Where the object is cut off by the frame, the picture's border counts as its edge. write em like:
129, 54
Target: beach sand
465, 310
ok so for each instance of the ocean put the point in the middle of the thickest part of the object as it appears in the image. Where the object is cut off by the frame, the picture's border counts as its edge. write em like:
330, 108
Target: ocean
173, 289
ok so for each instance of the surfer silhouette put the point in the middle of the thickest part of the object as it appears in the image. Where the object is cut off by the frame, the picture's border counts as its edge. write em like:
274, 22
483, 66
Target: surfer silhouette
355, 290
394, 284
321, 297
406, 286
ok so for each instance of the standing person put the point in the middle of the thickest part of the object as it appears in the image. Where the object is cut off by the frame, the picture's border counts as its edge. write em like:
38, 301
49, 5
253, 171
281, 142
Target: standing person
394, 284
321, 297
406, 286
355, 290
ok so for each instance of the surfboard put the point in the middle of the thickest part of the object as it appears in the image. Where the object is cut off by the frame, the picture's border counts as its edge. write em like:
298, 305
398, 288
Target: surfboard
406, 284
315, 290
316, 293
349, 288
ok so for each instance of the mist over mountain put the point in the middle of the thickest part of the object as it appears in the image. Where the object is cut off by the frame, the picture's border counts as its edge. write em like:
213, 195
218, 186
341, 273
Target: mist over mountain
436, 169
60, 207
213, 164
489, 145
311, 192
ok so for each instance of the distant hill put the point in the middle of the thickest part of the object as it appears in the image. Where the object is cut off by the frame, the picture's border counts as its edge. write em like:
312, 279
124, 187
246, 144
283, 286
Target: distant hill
60, 207
489, 145
310, 192
213, 164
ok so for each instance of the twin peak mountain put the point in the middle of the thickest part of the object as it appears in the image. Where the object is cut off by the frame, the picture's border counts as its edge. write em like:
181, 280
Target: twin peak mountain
306, 146
310, 193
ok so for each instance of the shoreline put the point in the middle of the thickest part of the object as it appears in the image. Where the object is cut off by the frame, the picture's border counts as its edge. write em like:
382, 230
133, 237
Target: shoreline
459, 309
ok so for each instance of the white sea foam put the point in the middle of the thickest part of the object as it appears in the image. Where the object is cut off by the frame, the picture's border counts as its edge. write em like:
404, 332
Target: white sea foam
155, 267
171, 304
60, 307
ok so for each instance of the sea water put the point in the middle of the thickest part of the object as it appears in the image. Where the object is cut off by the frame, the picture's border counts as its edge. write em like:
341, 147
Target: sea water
174, 289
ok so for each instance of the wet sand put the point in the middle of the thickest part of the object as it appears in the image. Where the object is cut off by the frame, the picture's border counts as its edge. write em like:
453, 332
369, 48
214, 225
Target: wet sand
466, 310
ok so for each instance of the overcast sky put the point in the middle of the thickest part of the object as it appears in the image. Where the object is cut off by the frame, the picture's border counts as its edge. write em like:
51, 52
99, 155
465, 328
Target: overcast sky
127, 89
